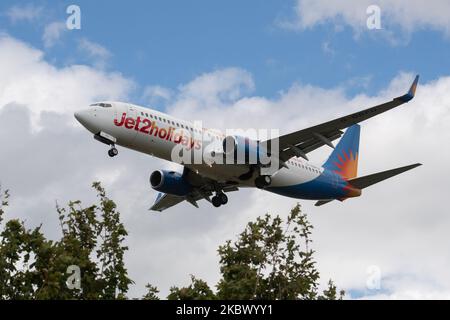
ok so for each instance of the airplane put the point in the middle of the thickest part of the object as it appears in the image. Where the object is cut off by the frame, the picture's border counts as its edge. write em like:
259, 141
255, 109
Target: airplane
159, 134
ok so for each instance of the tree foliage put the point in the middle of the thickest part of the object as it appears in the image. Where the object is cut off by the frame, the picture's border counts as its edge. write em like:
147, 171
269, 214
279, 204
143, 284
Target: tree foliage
271, 259
32, 267
152, 292
197, 290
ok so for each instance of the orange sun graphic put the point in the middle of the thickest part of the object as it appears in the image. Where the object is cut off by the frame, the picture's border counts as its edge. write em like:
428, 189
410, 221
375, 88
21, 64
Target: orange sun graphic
348, 165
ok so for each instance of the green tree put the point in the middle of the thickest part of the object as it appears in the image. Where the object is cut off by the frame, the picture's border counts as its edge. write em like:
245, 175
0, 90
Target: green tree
271, 259
32, 267
152, 292
197, 290
331, 292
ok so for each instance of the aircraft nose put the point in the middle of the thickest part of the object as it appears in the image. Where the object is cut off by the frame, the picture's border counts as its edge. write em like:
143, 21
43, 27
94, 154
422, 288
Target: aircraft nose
82, 116
85, 118
78, 115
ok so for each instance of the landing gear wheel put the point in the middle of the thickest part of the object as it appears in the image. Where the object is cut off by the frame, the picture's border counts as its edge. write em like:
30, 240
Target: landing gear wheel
263, 182
216, 201
113, 152
223, 198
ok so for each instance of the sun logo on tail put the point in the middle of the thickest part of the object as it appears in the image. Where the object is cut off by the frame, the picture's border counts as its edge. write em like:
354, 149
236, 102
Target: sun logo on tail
347, 165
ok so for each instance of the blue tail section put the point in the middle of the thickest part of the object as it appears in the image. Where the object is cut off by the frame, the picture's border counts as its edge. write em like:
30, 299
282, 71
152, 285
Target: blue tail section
344, 158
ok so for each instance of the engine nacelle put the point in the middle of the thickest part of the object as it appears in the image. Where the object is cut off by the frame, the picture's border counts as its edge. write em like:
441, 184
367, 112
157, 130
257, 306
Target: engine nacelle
244, 150
170, 182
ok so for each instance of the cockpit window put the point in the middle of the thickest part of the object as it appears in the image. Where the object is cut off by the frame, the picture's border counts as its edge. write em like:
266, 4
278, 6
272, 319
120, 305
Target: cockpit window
101, 104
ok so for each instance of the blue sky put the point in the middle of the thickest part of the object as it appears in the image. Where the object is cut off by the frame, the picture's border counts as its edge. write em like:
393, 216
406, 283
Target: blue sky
234, 44
170, 42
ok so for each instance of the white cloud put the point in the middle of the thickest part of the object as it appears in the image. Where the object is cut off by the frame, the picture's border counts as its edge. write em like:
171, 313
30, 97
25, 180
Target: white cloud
155, 94
53, 32
28, 12
214, 88
29, 80
400, 225
94, 51
409, 15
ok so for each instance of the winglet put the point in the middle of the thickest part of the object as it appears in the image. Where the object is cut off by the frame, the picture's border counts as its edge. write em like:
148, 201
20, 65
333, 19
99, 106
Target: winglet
412, 91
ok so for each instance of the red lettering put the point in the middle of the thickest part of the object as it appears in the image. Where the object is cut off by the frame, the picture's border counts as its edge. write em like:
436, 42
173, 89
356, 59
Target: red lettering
162, 133
138, 121
147, 124
154, 129
122, 120
150, 127
129, 123
169, 135
177, 138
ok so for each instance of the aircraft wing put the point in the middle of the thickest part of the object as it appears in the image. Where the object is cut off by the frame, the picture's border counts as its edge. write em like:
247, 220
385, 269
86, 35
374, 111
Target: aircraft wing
301, 142
164, 201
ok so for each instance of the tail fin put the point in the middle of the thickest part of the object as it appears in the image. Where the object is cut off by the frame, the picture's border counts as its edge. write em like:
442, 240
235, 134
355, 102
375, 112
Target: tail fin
344, 158
367, 181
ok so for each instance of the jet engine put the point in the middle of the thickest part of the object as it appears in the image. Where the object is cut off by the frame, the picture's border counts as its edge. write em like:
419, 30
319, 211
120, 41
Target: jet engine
170, 182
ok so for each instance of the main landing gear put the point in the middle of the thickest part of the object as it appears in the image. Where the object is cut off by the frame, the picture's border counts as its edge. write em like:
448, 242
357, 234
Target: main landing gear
262, 182
219, 199
113, 151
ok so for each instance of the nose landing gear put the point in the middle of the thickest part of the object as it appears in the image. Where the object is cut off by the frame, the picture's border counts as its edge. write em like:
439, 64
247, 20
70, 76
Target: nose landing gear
113, 151
108, 139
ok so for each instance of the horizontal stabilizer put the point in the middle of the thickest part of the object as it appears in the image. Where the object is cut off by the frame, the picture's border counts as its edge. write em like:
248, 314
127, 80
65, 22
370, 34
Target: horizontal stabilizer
322, 202
366, 181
